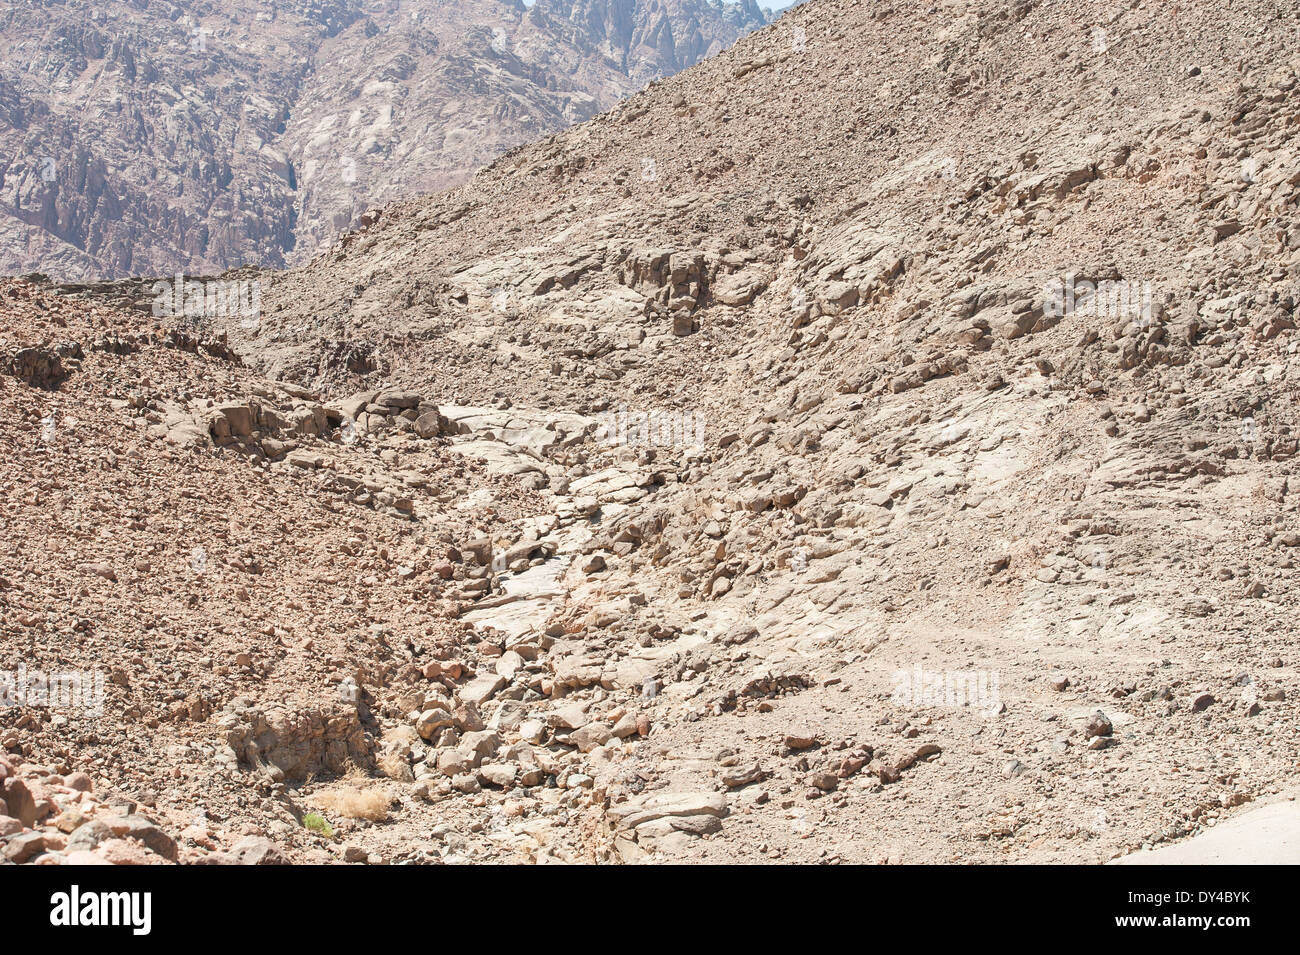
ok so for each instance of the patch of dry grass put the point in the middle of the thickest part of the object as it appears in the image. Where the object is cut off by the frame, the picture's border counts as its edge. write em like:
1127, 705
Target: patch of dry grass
355, 802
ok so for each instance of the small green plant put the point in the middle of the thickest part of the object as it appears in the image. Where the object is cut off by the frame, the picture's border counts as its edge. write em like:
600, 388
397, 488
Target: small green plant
318, 823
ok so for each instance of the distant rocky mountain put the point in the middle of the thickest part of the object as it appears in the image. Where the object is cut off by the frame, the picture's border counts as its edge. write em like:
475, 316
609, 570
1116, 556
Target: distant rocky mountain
149, 137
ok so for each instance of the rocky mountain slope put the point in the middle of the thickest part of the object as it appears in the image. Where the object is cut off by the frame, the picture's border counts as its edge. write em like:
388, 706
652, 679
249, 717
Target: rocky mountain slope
871, 444
154, 138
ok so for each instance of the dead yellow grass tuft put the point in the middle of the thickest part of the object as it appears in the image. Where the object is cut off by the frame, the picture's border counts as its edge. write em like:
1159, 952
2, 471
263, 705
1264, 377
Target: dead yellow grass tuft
355, 802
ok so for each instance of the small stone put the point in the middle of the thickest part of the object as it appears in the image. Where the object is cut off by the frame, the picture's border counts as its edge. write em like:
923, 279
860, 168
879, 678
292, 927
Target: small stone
696, 825
429, 424
743, 776
532, 731
69, 820
500, 775
591, 736
627, 725
256, 850
826, 782
883, 771
431, 721
480, 745
1098, 725
127, 852
89, 835
21, 804
466, 783
21, 848
570, 717
452, 762
468, 719
800, 739
146, 831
